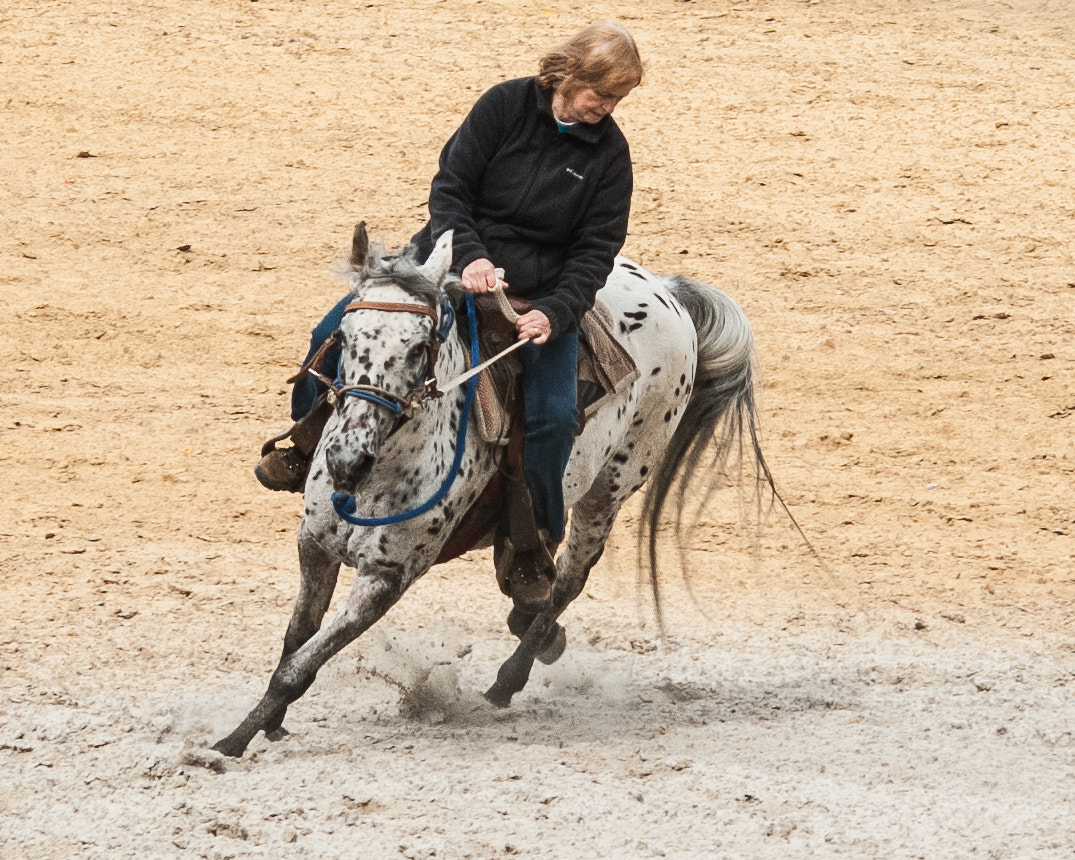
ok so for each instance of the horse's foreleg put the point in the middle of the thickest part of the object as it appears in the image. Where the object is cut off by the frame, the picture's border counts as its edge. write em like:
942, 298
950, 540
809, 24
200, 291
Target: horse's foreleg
320, 571
319, 574
370, 598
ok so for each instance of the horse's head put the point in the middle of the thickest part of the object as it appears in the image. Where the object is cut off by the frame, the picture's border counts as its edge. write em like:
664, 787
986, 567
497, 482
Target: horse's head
388, 341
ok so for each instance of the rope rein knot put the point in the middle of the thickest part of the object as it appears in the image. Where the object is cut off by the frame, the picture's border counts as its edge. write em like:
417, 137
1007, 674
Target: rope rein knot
502, 300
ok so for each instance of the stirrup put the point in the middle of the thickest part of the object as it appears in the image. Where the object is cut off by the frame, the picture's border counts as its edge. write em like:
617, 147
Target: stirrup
286, 468
526, 576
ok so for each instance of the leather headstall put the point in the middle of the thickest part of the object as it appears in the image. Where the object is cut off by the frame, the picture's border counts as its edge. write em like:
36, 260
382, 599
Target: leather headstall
400, 406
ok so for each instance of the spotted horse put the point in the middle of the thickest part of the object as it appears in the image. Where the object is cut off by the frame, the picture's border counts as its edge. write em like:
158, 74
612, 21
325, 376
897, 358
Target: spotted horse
396, 470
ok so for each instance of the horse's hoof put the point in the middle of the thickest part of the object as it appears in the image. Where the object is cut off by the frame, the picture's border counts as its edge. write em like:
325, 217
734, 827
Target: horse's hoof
552, 649
229, 749
519, 622
496, 697
277, 734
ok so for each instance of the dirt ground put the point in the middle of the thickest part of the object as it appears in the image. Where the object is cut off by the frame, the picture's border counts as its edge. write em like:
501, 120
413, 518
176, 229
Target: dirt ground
886, 188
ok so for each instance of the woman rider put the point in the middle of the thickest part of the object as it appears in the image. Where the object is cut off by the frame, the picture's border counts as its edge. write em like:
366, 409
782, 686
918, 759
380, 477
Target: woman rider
537, 181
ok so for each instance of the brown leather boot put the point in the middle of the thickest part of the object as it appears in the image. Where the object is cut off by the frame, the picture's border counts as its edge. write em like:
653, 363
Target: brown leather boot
283, 469
286, 468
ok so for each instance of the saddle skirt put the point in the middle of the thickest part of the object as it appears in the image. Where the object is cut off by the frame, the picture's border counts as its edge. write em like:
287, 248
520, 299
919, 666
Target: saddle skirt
605, 367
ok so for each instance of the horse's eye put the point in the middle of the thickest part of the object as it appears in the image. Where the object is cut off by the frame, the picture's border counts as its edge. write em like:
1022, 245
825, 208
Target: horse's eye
416, 353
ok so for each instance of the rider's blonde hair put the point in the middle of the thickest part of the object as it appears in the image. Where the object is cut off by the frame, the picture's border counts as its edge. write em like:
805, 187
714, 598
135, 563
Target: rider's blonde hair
601, 57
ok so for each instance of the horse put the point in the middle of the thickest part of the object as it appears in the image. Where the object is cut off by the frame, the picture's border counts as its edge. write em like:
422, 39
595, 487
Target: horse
401, 456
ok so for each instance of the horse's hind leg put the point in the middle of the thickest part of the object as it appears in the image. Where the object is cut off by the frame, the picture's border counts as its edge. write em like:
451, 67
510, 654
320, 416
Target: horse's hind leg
552, 647
591, 522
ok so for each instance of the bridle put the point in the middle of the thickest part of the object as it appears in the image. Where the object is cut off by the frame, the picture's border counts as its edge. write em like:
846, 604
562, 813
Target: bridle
402, 407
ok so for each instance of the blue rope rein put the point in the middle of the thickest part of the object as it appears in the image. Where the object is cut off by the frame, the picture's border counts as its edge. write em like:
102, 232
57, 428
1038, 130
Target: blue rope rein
344, 504
391, 405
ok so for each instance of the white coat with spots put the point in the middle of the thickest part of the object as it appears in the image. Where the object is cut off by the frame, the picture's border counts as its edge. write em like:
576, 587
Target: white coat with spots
690, 414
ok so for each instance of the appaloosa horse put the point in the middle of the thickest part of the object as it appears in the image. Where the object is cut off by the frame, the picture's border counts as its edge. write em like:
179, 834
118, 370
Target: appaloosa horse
385, 494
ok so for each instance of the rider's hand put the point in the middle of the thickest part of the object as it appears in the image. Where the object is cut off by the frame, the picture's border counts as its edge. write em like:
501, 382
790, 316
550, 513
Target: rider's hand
479, 276
534, 325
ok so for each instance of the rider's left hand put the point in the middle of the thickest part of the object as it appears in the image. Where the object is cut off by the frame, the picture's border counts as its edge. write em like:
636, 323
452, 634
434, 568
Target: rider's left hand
534, 325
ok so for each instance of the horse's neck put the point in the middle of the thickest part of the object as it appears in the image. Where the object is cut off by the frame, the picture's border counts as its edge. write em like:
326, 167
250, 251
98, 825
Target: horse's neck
425, 446
454, 357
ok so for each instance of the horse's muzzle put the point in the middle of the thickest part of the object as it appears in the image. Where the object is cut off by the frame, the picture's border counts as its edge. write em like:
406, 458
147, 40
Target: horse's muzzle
347, 469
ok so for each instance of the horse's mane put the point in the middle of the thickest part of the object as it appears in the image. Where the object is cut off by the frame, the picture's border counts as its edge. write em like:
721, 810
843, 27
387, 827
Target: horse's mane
400, 267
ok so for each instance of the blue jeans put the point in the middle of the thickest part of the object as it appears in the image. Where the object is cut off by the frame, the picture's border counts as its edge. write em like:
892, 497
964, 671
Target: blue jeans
550, 404
308, 389
550, 407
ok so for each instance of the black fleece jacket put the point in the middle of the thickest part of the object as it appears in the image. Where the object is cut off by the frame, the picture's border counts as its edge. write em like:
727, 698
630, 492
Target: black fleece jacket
549, 207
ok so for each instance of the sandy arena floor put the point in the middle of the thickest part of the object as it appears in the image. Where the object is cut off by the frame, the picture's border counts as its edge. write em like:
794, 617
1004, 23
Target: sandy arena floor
886, 188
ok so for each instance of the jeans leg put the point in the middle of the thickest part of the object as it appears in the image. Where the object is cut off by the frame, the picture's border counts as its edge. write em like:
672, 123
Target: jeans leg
550, 405
308, 389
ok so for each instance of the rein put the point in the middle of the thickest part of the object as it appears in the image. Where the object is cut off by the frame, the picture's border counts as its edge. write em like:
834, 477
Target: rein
509, 313
344, 504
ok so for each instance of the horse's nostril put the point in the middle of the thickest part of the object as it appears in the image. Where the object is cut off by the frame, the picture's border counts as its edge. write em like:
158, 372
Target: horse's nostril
347, 469
362, 468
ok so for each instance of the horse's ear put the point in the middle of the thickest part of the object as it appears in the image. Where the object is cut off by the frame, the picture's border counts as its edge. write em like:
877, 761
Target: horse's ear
360, 247
436, 266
